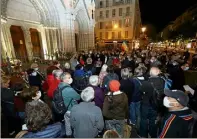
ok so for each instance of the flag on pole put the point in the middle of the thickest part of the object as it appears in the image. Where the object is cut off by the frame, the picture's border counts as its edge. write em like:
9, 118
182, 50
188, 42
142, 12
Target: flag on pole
124, 47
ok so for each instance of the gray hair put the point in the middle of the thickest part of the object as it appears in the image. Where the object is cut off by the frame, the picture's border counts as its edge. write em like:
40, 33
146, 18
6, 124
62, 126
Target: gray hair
94, 80
67, 65
87, 94
125, 73
154, 71
63, 75
57, 73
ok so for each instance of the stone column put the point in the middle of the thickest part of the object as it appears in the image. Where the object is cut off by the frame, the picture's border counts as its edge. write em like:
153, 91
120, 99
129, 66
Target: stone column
6, 41
28, 43
43, 42
47, 33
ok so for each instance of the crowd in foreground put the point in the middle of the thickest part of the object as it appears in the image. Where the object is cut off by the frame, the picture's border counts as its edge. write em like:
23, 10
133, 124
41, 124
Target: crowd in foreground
102, 94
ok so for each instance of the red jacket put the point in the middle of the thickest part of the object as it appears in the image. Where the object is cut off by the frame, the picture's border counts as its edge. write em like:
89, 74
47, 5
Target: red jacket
53, 84
49, 80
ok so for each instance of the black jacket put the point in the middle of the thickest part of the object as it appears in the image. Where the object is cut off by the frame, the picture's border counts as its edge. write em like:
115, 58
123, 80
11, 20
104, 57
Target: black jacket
7, 102
176, 124
127, 86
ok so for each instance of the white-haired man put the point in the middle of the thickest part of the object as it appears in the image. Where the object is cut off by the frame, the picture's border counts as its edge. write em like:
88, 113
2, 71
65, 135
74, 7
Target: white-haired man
99, 94
86, 118
151, 104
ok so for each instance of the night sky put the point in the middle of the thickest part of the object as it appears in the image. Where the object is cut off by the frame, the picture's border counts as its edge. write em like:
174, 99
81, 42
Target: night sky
161, 12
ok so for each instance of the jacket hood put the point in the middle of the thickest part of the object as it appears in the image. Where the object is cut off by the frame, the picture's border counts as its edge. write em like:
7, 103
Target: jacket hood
115, 93
62, 84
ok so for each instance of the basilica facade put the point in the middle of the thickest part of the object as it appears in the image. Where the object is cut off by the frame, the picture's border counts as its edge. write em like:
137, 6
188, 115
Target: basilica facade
40, 28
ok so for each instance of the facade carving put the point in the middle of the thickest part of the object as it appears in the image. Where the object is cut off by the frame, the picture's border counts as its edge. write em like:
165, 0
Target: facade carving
55, 21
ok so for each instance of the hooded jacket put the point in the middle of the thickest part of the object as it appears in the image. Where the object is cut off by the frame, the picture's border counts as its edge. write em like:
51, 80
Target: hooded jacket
69, 93
176, 124
115, 106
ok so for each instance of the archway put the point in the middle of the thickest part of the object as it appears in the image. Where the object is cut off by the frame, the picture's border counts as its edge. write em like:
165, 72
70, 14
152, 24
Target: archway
35, 40
19, 43
83, 29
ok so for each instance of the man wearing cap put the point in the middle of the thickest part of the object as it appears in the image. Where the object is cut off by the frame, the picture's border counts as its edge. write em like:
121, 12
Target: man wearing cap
176, 122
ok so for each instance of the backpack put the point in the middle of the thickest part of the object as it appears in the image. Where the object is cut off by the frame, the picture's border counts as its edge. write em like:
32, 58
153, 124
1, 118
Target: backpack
168, 83
156, 100
58, 102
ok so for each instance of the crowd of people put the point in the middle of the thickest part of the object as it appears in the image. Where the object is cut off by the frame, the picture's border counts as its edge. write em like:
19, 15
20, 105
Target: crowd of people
105, 94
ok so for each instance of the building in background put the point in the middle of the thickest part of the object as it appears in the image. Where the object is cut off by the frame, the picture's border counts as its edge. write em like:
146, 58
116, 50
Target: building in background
40, 28
117, 21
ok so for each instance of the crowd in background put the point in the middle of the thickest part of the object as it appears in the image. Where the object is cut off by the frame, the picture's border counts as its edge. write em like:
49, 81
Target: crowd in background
102, 94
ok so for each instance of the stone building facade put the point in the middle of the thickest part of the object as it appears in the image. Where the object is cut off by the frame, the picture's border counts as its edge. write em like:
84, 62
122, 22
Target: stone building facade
46, 26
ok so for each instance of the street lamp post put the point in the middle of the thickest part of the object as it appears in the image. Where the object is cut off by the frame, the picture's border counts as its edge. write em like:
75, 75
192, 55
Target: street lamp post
143, 29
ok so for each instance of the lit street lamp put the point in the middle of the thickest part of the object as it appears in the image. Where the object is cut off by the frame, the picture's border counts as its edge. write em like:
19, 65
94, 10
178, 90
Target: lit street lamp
115, 26
143, 29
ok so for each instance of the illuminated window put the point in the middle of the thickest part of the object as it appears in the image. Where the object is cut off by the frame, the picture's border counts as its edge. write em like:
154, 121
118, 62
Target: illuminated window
127, 11
119, 34
126, 34
106, 35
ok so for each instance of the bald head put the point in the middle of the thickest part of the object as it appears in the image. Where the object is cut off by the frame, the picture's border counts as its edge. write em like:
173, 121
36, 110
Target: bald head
154, 71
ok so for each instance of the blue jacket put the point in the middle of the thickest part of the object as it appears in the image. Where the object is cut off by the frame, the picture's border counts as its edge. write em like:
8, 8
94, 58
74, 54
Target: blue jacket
69, 93
79, 73
56, 130
86, 120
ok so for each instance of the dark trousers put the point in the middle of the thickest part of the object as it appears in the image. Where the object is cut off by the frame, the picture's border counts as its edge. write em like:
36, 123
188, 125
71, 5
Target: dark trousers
148, 122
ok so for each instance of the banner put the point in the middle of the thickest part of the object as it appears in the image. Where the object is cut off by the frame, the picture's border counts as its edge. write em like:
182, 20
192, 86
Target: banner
124, 46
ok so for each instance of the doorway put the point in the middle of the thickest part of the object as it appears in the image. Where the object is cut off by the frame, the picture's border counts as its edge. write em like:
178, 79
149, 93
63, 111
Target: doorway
35, 40
19, 43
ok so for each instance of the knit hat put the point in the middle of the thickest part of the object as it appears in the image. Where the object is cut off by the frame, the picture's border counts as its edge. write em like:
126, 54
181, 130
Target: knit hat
114, 85
34, 65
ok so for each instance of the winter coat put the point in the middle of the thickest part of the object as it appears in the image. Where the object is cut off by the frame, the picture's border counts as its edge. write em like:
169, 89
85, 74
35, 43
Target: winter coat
86, 120
98, 96
115, 106
52, 87
7, 102
175, 124
79, 73
49, 80
35, 80
69, 93
127, 86
56, 130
